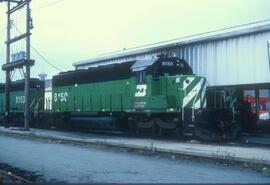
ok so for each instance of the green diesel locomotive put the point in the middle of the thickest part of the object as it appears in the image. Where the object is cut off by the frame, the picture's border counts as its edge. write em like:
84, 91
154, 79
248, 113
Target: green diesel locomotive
157, 94
17, 100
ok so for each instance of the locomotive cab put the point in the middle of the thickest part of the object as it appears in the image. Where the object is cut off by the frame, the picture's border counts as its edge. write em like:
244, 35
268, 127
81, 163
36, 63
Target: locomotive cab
161, 66
165, 89
168, 79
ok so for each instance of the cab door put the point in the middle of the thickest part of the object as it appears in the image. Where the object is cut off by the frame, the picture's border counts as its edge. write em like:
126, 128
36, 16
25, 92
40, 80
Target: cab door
142, 91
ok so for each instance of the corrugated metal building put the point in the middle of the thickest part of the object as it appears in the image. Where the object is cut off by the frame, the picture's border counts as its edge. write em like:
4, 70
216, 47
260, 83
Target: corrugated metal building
238, 55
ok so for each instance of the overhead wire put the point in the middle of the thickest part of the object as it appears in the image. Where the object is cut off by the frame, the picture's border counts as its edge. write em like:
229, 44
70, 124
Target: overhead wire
40, 55
37, 52
47, 5
48, 62
42, 6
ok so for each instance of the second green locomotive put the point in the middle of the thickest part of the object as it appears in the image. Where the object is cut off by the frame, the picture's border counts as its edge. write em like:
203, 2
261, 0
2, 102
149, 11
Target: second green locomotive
17, 100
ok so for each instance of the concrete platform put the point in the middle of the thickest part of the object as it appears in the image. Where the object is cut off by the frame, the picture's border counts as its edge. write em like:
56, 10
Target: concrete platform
249, 154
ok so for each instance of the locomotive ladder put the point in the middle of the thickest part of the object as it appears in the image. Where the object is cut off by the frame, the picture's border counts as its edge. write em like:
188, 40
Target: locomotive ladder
188, 127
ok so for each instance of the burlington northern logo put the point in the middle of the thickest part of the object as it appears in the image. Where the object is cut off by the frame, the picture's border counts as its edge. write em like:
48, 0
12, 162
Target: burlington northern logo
141, 90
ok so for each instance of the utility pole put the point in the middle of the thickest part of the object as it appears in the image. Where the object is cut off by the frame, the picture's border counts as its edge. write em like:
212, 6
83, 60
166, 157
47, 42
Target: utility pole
21, 63
7, 84
27, 115
268, 50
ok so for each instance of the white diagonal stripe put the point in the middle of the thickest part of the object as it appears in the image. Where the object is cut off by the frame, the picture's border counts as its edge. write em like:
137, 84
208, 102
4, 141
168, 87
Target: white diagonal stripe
190, 79
191, 94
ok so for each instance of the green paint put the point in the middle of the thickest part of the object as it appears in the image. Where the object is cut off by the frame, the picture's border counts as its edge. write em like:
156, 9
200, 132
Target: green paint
113, 96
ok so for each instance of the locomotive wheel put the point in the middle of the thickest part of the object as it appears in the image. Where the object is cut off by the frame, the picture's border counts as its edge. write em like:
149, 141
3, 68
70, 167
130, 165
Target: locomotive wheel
154, 129
131, 125
145, 124
159, 131
179, 131
166, 125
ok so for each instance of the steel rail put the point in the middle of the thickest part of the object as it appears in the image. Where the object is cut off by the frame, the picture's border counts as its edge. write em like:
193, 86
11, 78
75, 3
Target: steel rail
16, 177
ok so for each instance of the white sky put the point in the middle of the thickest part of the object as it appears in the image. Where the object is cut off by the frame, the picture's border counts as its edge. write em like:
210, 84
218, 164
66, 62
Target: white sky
66, 31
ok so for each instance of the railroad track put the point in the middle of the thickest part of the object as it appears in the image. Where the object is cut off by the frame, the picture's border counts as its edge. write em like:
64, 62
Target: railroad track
256, 139
15, 177
246, 140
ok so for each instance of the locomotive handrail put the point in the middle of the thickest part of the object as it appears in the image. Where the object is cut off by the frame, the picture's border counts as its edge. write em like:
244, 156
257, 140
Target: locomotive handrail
205, 82
32, 103
36, 105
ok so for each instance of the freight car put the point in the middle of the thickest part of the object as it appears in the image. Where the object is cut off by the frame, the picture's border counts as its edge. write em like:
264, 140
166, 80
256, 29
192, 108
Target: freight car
17, 100
157, 94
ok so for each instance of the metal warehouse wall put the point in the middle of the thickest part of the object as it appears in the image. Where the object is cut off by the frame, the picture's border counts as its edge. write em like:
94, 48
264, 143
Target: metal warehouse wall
238, 60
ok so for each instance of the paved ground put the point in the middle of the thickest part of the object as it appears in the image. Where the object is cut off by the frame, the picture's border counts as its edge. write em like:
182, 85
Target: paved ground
77, 163
258, 155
